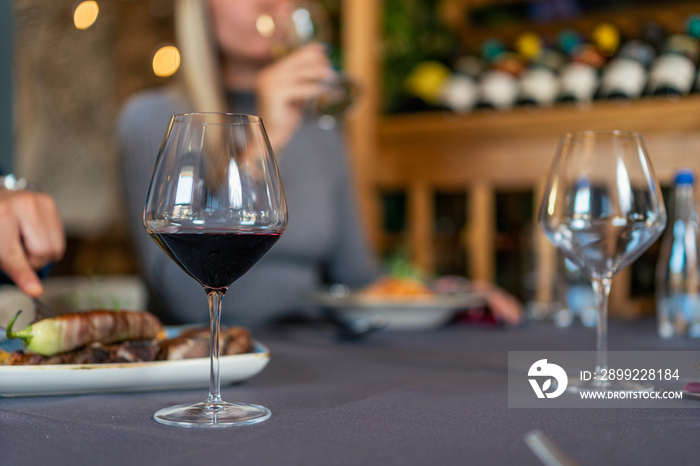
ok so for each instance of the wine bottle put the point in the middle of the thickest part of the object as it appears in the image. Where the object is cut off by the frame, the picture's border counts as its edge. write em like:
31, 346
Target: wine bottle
460, 92
625, 76
654, 34
539, 83
673, 73
579, 77
606, 38
498, 85
423, 85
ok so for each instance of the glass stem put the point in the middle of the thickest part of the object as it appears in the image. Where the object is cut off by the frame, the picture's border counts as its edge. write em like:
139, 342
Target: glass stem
601, 291
215, 298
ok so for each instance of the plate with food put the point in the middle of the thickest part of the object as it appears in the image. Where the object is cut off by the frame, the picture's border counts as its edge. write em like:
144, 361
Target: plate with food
106, 351
404, 303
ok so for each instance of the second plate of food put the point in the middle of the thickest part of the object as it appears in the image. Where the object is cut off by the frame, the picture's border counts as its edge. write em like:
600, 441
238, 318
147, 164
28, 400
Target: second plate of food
401, 312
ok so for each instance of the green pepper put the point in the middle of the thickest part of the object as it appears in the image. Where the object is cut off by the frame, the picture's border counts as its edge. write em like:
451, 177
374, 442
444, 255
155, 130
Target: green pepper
67, 332
42, 337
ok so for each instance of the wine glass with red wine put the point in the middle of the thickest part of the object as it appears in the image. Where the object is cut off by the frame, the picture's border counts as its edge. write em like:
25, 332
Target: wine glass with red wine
215, 205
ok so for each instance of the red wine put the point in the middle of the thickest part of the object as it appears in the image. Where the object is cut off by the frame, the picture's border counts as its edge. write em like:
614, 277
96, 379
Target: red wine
215, 260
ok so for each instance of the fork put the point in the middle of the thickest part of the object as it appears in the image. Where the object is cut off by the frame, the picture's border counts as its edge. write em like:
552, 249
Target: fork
42, 309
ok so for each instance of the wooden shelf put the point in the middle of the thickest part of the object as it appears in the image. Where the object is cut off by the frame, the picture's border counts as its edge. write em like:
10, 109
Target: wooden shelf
671, 15
515, 148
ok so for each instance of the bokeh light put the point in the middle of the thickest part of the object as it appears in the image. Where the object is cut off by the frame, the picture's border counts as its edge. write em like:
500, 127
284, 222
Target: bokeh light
166, 61
265, 25
85, 14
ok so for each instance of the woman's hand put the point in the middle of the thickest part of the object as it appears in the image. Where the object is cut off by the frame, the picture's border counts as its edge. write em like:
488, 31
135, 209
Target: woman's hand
31, 236
504, 306
283, 87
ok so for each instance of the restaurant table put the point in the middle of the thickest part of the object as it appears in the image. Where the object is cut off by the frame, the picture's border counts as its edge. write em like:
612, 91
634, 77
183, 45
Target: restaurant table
436, 397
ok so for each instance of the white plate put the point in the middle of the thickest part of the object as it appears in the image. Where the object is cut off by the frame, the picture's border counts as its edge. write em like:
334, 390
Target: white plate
73, 379
400, 314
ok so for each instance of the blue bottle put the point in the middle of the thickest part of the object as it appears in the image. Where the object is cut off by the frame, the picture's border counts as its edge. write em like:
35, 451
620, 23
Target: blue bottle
678, 269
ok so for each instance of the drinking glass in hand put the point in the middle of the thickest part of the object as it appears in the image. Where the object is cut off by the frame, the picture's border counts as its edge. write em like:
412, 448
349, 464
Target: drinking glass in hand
299, 22
603, 208
215, 205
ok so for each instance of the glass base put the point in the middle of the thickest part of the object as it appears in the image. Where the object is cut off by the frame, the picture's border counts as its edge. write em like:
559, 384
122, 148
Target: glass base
577, 385
208, 415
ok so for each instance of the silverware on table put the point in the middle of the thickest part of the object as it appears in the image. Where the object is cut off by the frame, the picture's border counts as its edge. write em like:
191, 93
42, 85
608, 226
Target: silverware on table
41, 309
547, 451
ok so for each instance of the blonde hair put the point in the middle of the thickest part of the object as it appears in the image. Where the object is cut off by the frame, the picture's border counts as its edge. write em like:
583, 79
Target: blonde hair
200, 69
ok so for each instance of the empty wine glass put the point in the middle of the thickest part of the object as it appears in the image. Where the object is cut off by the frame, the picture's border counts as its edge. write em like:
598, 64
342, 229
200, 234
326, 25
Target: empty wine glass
603, 208
299, 22
215, 205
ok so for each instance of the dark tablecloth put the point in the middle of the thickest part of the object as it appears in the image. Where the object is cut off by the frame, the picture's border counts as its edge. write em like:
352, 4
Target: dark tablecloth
429, 398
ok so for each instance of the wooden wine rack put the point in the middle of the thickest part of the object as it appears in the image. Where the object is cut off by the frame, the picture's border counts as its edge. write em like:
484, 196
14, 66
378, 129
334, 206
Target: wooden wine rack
484, 152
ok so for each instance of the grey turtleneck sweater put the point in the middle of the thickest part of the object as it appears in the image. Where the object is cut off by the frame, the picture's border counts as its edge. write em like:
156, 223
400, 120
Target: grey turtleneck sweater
323, 240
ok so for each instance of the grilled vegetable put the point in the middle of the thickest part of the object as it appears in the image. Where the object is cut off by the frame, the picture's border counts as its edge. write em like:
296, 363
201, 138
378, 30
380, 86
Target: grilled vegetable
70, 331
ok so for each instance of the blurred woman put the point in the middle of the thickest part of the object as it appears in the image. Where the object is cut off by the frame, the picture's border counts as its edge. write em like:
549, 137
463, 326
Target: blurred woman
228, 66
